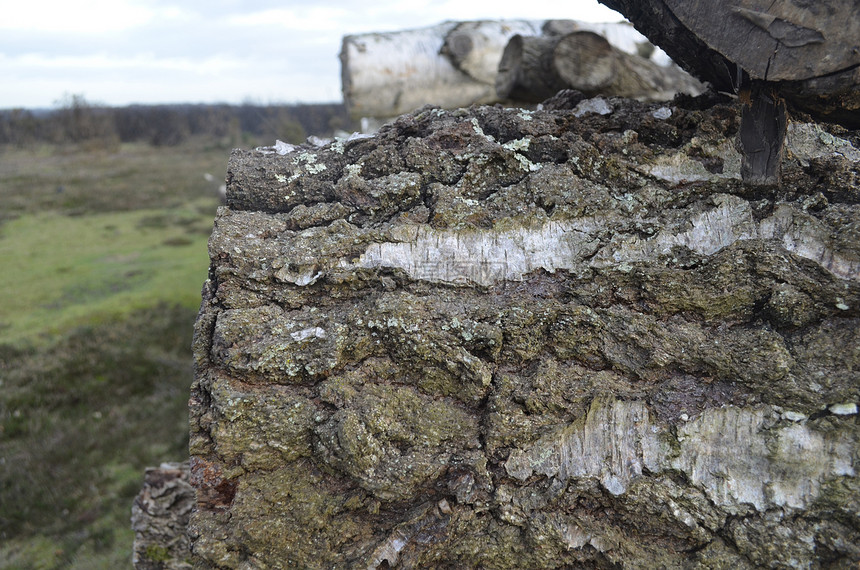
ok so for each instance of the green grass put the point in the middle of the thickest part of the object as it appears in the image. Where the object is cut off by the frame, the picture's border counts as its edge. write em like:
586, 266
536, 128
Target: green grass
77, 182
103, 255
62, 271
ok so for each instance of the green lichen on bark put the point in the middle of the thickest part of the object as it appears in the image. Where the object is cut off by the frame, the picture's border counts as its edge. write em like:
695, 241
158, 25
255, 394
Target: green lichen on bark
482, 338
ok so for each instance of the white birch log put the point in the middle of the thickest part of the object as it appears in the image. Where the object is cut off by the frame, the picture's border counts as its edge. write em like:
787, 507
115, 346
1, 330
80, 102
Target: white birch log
453, 64
387, 74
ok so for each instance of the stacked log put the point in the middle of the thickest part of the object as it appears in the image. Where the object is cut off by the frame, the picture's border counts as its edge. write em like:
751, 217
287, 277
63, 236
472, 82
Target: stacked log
533, 69
456, 64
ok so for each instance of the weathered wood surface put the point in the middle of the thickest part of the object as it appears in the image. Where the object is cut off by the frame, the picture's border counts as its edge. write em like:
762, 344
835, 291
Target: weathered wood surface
810, 50
764, 122
533, 69
784, 40
508, 339
453, 64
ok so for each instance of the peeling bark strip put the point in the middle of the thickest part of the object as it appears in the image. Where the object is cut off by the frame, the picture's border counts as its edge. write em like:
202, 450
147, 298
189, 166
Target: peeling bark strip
492, 338
618, 441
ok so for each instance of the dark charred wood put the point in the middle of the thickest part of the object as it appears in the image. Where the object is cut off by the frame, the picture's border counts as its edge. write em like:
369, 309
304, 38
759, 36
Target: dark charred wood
809, 52
762, 135
784, 40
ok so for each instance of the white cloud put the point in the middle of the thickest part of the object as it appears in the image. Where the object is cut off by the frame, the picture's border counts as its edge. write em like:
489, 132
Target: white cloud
108, 63
149, 51
92, 16
305, 18
34, 80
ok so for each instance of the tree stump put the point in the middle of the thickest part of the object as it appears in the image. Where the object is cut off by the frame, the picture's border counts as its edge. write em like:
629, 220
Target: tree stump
159, 518
496, 338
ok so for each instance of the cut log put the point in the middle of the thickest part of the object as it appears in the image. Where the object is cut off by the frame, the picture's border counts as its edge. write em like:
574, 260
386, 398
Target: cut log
475, 48
586, 61
453, 64
535, 68
524, 73
387, 74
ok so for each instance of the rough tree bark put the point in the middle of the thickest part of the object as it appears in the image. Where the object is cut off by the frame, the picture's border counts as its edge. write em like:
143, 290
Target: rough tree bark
159, 517
493, 338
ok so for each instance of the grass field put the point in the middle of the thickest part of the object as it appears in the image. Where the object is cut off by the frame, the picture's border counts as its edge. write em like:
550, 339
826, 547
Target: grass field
61, 271
103, 256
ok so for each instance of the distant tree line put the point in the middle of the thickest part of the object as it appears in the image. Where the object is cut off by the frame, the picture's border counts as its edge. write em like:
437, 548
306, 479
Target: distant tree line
77, 121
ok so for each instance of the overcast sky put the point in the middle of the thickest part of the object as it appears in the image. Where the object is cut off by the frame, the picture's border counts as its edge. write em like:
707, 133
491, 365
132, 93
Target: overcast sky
119, 52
